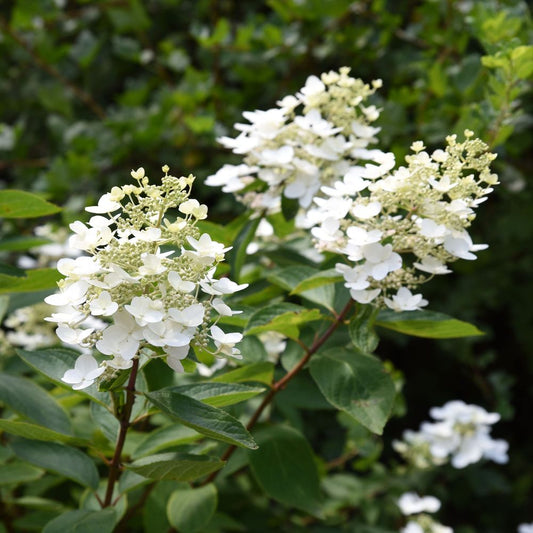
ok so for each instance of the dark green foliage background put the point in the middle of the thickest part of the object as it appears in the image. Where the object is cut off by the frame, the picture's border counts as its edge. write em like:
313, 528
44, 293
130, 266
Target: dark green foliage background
85, 109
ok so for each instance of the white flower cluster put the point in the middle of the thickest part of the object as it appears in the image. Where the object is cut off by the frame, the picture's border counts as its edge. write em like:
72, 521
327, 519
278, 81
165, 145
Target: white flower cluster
311, 139
147, 283
398, 229
47, 255
25, 328
461, 434
395, 227
525, 528
411, 503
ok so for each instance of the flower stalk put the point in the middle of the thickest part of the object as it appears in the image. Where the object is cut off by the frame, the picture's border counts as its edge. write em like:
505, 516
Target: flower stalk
124, 415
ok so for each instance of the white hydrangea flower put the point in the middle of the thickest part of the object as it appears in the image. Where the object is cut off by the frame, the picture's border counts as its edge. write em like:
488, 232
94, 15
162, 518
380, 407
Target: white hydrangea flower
404, 300
225, 342
158, 301
294, 149
403, 227
316, 148
84, 373
525, 528
460, 435
412, 503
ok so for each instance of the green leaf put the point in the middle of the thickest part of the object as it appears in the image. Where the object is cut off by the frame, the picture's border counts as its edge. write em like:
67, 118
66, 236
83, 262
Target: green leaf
289, 207
81, 521
361, 329
18, 244
35, 432
21, 204
176, 466
203, 418
292, 276
237, 255
285, 468
58, 458
8, 272
105, 421
218, 394
225, 234
4, 304
262, 372
15, 473
426, 324
190, 510
35, 280
283, 318
154, 516
31, 401
326, 277
54, 362
522, 57
357, 384
115, 381
165, 437
129, 481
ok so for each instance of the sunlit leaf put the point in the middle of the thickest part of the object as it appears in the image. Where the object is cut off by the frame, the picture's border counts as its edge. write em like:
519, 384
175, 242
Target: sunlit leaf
357, 384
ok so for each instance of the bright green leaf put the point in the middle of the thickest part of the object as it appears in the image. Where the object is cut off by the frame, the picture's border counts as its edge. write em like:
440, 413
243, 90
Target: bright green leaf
18, 244
189, 510
292, 276
325, 277
21, 204
176, 466
357, 384
38, 279
262, 372
522, 58
426, 324
283, 318
58, 458
209, 421
218, 394
285, 468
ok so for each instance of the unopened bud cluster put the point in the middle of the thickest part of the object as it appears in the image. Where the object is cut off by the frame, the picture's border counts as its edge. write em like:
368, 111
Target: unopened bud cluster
148, 281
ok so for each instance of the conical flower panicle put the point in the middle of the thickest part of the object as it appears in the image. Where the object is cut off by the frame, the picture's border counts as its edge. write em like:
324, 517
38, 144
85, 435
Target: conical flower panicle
147, 281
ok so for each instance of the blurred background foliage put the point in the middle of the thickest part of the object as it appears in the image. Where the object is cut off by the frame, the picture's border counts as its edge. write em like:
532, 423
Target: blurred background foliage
91, 89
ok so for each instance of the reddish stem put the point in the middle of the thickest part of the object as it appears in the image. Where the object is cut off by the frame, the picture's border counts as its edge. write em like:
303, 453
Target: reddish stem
114, 467
282, 383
